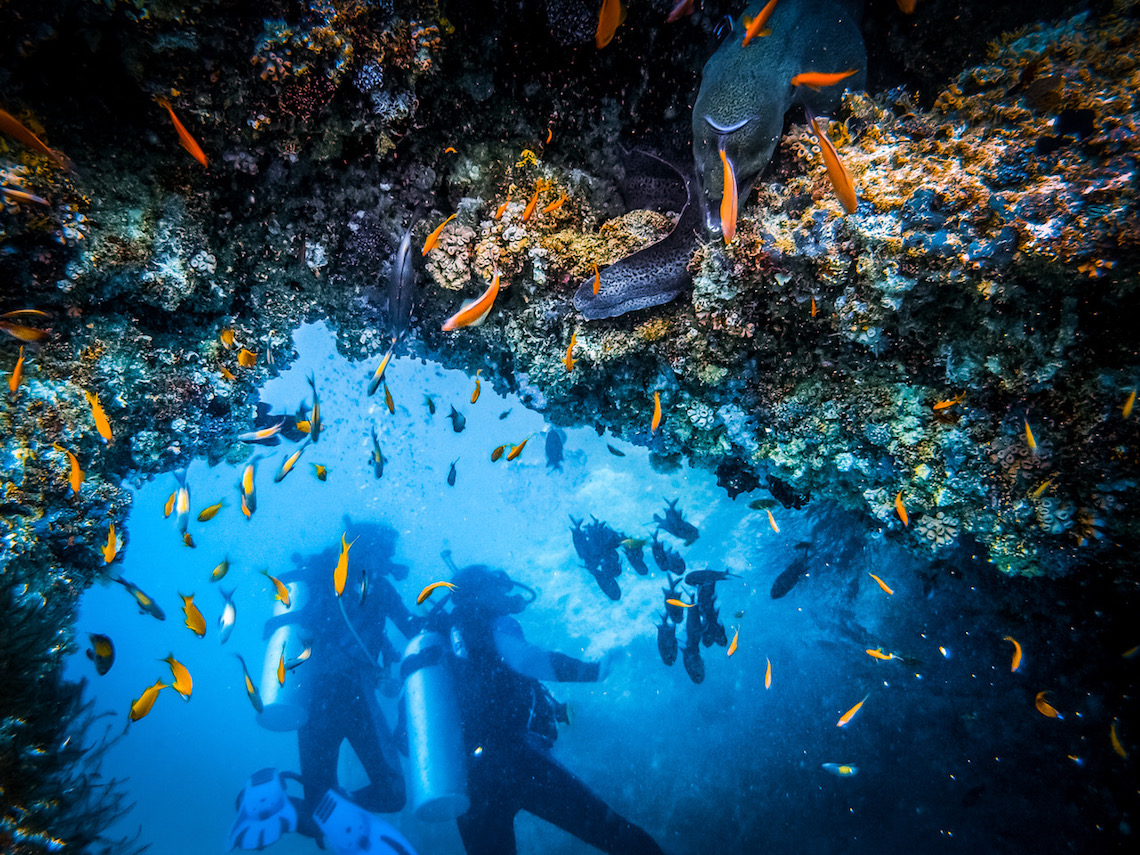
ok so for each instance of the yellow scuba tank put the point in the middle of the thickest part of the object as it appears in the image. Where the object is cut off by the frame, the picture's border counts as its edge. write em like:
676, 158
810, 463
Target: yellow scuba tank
437, 774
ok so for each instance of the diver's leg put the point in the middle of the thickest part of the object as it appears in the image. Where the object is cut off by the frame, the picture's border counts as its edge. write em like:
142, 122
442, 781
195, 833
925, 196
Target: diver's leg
318, 746
559, 797
372, 741
488, 826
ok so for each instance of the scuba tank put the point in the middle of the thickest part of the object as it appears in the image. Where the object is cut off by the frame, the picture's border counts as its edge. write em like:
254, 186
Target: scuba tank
438, 774
285, 705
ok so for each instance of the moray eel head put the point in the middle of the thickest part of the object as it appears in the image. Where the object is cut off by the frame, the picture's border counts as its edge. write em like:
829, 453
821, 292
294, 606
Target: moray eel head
745, 91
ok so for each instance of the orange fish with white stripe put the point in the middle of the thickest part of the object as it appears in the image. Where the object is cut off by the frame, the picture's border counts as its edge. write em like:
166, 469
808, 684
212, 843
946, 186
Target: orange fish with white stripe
840, 178
728, 199
474, 312
845, 719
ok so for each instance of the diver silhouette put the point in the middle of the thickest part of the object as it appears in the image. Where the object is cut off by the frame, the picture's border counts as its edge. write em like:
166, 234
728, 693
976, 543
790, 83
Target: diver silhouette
341, 653
509, 723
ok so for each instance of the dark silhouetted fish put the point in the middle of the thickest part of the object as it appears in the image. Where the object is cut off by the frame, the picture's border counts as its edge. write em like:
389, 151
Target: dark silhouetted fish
788, 580
616, 452
667, 640
451, 473
783, 493
632, 549
608, 584
659, 557
553, 450
694, 665
674, 522
610, 565
458, 421
377, 456
145, 603
505, 413
708, 577
581, 540
102, 652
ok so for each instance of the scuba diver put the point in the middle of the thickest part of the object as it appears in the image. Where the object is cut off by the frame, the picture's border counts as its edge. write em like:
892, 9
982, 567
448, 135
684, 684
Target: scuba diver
508, 723
336, 652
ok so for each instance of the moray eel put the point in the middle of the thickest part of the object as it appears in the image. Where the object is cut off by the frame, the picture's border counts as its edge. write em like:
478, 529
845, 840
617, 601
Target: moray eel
744, 94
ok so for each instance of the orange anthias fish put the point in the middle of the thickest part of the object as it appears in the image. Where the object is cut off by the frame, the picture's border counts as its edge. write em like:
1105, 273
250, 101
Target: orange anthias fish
23, 333
817, 80
1125, 411
878, 653
1045, 708
497, 453
772, 522
14, 128
250, 686
597, 279
281, 667
610, 17
517, 450
1117, 745
478, 387
389, 402
882, 584
728, 199
681, 604
814, 310
246, 358
840, 178
18, 373
732, 644
656, 423
755, 27
433, 238
183, 682
1016, 663
948, 402
900, 509
555, 205
101, 423
528, 211
282, 592
499, 211
768, 674
194, 620
113, 544
21, 196
340, 574
75, 479
474, 312
168, 508
427, 591
227, 337
850, 714
188, 142
207, 514
142, 704
568, 359
1029, 440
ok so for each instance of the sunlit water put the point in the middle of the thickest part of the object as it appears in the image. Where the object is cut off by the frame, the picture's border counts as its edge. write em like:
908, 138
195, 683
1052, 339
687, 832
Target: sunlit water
725, 766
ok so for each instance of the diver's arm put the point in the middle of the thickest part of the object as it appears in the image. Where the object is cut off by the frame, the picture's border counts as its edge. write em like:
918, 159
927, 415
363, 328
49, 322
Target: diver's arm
532, 661
394, 609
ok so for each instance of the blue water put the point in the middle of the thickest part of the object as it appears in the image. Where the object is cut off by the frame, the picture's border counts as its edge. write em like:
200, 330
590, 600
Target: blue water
725, 766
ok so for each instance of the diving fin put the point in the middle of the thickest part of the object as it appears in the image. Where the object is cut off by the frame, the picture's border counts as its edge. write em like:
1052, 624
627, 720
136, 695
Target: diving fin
265, 812
351, 830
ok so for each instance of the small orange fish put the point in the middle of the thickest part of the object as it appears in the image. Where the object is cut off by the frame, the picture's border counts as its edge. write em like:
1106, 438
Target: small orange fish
772, 522
1045, 708
768, 674
732, 644
183, 682
430, 243
194, 620
755, 27
289, 462
568, 359
282, 592
597, 279
188, 539
229, 375
1029, 440
1125, 411
610, 17
499, 211
555, 205
112, 547
427, 591
75, 479
142, 704
679, 603
450, 150
653, 425
474, 312
207, 514
517, 450
247, 358
814, 310
497, 453
378, 375
850, 714
14, 128
168, 508
728, 200
21, 196
900, 509
840, 178
949, 402
1016, 663
478, 387
101, 423
549, 135
340, 574
530, 206
17, 373
23, 333
188, 142
878, 653
281, 667
1117, 745
817, 80
882, 584
388, 401
227, 337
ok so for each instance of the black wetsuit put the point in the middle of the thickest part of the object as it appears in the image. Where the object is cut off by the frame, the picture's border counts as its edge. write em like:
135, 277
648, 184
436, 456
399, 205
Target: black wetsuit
341, 682
509, 766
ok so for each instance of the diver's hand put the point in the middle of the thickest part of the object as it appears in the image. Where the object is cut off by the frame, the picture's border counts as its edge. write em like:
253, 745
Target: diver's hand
610, 661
